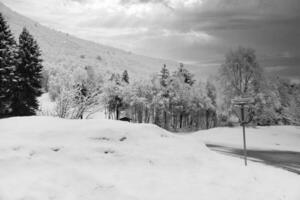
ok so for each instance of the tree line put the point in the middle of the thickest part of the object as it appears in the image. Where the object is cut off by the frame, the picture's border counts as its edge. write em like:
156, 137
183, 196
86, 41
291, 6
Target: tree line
176, 100
173, 100
20, 73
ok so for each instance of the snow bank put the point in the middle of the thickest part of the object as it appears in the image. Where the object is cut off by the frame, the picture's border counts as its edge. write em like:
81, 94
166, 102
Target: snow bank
51, 158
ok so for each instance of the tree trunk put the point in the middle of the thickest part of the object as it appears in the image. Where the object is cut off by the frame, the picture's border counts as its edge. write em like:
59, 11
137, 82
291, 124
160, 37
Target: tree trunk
117, 112
207, 119
180, 120
165, 119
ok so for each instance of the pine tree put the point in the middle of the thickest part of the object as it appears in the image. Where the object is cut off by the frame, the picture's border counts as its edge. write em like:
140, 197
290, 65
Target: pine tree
164, 73
8, 63
185, 75
29, 70
125, 77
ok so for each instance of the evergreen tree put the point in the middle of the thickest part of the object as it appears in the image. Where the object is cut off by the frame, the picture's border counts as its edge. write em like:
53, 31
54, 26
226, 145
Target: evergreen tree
164, 75
30, 71
8, 63
185, 75
125, 77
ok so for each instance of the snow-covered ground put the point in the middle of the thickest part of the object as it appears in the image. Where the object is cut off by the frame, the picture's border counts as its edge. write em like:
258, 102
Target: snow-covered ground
284, 138
51, 158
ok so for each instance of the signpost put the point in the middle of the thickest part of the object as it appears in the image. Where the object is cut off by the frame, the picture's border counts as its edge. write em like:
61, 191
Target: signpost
243, 103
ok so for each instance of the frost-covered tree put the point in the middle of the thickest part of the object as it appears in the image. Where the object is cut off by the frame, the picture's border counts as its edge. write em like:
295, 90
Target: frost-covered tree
29, 69
61, 91
75, 91
241, 76
112, 98
185, 75
289, 96
8, 62
211, 113
241, 73
276, 99
173, 102
164, 75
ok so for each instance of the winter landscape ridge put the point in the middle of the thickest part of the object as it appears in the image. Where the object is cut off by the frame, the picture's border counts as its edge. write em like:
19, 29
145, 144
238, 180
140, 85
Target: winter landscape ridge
90, 121
64, 50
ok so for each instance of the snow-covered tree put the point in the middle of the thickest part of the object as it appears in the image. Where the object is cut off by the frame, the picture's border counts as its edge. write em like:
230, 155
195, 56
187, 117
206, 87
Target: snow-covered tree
112, 98
241, 76
8, 62
211, 112
185, 75
76, 92
164, 75
241, 72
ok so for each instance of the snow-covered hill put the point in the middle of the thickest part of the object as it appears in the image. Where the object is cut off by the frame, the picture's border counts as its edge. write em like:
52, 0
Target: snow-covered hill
51, 158
61, 49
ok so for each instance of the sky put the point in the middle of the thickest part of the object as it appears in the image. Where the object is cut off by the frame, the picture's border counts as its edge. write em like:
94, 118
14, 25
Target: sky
191, 31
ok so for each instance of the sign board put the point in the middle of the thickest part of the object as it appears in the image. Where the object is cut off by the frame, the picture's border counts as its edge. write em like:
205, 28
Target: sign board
247, 113
242, 101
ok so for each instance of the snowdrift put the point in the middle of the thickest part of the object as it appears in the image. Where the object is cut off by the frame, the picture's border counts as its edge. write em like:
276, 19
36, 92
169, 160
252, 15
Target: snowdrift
51, 158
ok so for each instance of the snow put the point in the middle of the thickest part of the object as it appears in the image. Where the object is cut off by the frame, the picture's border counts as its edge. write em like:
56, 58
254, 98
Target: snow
284, 138
52, 158
98, 114
46, 106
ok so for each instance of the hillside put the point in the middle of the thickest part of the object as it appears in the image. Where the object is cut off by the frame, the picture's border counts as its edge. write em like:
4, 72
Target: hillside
61, 49
52, 158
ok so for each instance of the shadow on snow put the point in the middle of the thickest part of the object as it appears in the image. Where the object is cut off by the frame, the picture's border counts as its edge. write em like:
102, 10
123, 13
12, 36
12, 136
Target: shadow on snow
288, 160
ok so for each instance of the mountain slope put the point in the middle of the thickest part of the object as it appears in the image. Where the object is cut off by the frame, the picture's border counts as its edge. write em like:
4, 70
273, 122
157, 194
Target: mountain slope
62, 49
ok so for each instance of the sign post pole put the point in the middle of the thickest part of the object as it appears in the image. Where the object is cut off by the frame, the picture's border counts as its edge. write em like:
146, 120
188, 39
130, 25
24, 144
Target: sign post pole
244, 134
241, 103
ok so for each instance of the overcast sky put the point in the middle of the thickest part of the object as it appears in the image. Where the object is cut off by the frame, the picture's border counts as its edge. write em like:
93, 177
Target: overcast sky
192, 31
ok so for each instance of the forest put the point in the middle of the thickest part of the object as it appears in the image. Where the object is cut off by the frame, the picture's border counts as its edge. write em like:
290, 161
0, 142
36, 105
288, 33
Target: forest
175, 100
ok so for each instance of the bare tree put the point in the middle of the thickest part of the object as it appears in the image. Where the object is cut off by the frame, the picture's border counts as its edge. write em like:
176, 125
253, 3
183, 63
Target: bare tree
241, 72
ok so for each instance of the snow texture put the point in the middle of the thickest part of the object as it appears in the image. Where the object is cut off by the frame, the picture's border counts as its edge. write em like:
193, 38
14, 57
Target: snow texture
52, 158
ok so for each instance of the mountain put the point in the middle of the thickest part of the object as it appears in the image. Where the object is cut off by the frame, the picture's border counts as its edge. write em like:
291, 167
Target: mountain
62, 49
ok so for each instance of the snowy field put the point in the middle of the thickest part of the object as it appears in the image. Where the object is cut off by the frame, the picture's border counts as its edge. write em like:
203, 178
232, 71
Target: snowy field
51, 158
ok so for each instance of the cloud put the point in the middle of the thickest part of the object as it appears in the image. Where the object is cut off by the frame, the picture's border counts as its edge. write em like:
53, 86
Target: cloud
185, 30
142, 1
